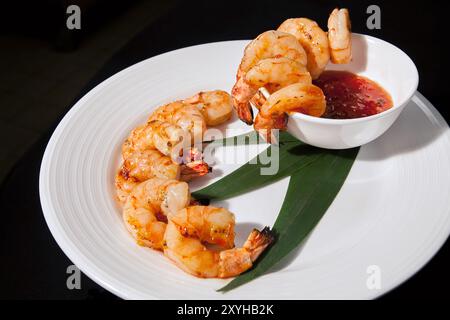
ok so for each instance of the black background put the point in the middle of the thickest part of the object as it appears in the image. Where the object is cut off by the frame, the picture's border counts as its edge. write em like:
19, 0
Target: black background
33, 266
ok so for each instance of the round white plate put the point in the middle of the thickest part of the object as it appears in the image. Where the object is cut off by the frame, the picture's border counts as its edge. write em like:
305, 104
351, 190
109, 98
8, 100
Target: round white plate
388, 220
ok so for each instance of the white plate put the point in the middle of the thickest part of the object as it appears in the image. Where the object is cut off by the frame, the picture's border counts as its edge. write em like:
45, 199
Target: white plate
392, 212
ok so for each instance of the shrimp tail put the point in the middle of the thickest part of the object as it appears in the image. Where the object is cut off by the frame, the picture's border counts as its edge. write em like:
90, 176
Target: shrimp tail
194, 169
235, 261
246, 114
265, 124
241, 93
258, 241
194, 166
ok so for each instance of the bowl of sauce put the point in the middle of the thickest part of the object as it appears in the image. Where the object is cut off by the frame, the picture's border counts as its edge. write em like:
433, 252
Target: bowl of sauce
364, 97
351, 96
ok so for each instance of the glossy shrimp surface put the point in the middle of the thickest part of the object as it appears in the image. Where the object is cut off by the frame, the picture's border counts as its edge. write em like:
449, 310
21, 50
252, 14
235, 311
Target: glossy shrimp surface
339, 36
270, 44
298, 97
216, 106
272, 73
192, 227
168, 138
183, 115
146, 209
313, 39
142, 165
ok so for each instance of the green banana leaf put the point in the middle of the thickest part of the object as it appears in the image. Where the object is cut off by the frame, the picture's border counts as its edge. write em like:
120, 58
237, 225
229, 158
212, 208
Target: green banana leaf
310, 192
293, 155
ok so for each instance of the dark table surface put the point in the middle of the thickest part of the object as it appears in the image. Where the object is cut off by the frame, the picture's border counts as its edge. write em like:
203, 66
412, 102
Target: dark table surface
33, 266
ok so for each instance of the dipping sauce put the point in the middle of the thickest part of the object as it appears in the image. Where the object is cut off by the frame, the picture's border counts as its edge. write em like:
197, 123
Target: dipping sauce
351, 96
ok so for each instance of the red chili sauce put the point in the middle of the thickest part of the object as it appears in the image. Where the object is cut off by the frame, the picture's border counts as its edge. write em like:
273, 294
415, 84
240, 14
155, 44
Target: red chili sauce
351, 96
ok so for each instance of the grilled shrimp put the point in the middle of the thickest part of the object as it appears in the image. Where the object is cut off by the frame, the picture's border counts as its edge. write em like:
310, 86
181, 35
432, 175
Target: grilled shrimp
147, 163
313, 39
169, 139
147, 207
339, 36
272, 73
298, 97
270, 44
189, 228
142, 165
216, 106
183, 115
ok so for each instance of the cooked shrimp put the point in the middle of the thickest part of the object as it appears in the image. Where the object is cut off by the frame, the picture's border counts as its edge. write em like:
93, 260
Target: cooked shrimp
147, 207
216, 106
150, 163
191, 227
142, 165
298, 97
185, 116
272, 73
313, 39
270, 44
124, 186
276, 73
169, 139
339, 36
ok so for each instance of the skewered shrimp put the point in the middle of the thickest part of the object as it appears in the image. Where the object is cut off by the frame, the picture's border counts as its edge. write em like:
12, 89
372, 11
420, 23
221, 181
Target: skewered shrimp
313, 39
191, 227
276, 73
169, 139
298, 97
270, 44
185, 116
147, 207
272, 73
216, 106
339, 36
148, 163
143, 165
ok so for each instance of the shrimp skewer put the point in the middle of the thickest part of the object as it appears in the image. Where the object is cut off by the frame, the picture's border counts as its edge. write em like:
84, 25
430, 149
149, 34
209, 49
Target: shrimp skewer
298, 97
147, 207
270, 44
169, 139
186, 116
150, 163
272, 73
339, 36
313, 39
191, 227
215, 106
143, 165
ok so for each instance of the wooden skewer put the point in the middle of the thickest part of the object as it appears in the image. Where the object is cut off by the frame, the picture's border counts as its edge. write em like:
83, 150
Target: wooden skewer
266, 94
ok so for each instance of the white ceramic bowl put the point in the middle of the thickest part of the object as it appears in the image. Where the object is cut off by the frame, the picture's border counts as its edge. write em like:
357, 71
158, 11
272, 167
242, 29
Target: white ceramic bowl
377, 60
